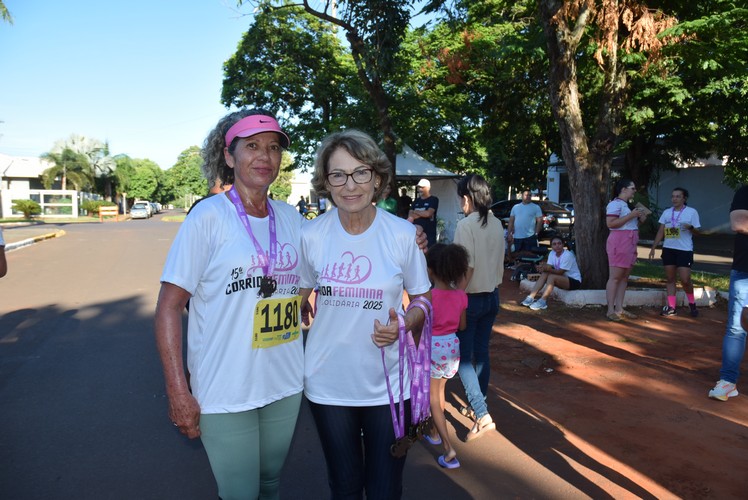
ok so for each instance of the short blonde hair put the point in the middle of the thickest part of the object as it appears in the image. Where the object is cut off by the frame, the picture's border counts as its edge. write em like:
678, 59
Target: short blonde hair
359, 145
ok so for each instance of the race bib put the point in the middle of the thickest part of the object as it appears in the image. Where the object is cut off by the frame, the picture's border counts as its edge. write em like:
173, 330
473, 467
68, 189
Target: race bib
672, 232
276, 322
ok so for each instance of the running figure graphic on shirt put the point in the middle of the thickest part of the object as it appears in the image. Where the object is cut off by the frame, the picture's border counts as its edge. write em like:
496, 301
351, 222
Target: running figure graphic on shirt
287, 258
349, 269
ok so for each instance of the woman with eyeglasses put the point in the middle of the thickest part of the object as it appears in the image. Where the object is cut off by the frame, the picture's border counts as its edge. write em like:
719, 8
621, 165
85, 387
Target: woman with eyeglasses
623, 223
361, 259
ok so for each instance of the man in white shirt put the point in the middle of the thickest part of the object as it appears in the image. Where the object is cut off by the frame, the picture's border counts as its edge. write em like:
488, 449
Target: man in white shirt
525, 221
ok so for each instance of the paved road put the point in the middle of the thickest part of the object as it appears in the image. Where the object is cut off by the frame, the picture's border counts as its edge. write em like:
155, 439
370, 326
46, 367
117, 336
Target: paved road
84, 413
81, 391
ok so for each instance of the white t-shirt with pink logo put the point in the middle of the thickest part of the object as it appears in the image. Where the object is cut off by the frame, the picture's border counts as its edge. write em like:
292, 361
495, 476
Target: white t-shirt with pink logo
213, 258
360, 277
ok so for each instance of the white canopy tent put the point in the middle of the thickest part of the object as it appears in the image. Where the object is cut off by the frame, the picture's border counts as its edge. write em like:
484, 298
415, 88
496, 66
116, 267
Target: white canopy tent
412, 167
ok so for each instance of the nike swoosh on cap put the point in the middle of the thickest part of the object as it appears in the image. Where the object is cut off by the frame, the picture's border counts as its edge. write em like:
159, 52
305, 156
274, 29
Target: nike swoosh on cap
265, 121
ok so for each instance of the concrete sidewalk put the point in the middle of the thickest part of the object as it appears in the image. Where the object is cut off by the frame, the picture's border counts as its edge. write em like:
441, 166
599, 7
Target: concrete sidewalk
713, 253
19, 235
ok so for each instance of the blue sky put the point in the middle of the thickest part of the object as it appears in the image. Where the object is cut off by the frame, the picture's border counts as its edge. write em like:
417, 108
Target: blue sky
144, 75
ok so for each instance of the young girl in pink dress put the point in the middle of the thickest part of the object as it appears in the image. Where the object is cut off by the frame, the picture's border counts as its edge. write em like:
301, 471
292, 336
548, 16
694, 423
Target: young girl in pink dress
448, 265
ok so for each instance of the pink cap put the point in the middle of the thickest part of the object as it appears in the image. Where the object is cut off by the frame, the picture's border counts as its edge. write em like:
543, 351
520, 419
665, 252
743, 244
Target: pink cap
256, 124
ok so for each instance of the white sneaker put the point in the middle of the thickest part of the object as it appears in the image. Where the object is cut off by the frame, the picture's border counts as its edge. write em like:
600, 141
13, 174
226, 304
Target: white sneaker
539, 304
723, 390
528, 300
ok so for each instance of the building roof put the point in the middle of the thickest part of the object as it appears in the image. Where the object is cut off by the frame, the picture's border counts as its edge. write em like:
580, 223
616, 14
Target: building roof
410, 165
22, 166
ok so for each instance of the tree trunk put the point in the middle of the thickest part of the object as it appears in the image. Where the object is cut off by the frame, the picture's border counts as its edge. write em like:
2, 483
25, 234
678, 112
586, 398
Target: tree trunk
588, 164
373, 85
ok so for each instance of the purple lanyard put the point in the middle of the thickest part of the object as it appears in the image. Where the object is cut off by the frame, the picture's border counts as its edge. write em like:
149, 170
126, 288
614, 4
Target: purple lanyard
673, 220
268, 265
419, 369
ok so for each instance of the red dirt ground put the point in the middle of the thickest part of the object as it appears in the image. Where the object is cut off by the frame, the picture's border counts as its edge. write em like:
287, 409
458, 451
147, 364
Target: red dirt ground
625, 401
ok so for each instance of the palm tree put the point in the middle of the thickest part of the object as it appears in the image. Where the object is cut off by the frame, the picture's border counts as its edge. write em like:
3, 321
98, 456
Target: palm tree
5, 14
68, 165
100, 164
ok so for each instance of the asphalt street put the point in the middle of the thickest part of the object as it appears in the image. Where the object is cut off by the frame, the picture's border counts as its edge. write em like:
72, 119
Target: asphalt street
81, 389
82, 399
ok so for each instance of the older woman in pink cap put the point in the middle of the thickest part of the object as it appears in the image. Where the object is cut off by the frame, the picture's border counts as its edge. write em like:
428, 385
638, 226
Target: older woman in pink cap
236, 259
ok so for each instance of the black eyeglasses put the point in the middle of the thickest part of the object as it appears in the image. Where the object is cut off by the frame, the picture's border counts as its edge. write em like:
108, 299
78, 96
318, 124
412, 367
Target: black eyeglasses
360, 176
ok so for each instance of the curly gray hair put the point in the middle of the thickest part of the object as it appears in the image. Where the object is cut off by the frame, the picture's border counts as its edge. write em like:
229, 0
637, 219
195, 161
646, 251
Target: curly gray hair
214, 165
359, 145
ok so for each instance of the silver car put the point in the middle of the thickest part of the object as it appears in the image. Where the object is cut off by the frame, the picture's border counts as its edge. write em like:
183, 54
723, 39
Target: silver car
139, 211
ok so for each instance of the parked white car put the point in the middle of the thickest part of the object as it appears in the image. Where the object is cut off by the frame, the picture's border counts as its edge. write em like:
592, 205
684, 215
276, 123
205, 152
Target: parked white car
140, 210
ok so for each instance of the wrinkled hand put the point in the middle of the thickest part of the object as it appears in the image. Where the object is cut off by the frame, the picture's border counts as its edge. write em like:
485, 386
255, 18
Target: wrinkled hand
421, 240
385, 335
185, 414
307, 312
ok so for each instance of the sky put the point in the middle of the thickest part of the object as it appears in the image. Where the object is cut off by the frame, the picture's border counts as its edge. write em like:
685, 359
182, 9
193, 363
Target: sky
144, 75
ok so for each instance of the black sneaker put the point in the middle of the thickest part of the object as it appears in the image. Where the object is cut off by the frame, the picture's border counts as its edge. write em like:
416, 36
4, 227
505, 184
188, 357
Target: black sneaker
694, 311
668, 311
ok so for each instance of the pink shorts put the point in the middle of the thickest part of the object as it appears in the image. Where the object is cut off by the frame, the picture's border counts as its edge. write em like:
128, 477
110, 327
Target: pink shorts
621, 248
445, 355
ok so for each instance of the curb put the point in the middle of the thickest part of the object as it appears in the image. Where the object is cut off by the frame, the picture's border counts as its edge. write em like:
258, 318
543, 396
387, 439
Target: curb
705, 297
30, 241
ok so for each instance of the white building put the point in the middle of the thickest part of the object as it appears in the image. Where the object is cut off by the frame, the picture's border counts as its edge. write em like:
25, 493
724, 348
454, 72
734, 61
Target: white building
21, 179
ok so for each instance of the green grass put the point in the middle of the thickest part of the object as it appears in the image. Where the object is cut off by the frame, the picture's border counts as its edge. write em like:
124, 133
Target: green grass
655, 273
173, 218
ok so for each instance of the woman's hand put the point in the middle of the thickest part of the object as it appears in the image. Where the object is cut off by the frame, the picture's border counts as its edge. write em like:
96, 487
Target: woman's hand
385, 335
421, 239
651, 253
185, 414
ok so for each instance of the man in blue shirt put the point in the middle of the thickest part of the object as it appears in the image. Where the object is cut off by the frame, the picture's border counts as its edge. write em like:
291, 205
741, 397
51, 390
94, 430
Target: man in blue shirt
525, 221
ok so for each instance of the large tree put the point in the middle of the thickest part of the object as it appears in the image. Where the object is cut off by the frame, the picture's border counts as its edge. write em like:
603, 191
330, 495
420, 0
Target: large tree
186, 176
485, 62
293, 63
617, 29
374, 30
690, 100
146, 180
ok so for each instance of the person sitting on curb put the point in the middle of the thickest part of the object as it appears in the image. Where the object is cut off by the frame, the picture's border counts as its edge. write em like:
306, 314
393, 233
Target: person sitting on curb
560, 270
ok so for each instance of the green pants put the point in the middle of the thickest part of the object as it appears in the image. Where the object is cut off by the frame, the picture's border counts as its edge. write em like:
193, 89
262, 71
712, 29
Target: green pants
247, 450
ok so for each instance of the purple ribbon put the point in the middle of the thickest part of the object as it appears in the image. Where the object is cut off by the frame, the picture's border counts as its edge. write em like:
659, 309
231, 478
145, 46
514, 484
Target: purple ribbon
419, 369
268, 264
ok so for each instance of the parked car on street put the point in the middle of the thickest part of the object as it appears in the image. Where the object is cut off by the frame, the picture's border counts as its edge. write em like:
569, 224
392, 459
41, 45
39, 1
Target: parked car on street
148, 206
568, 206
556, 219
140, 210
